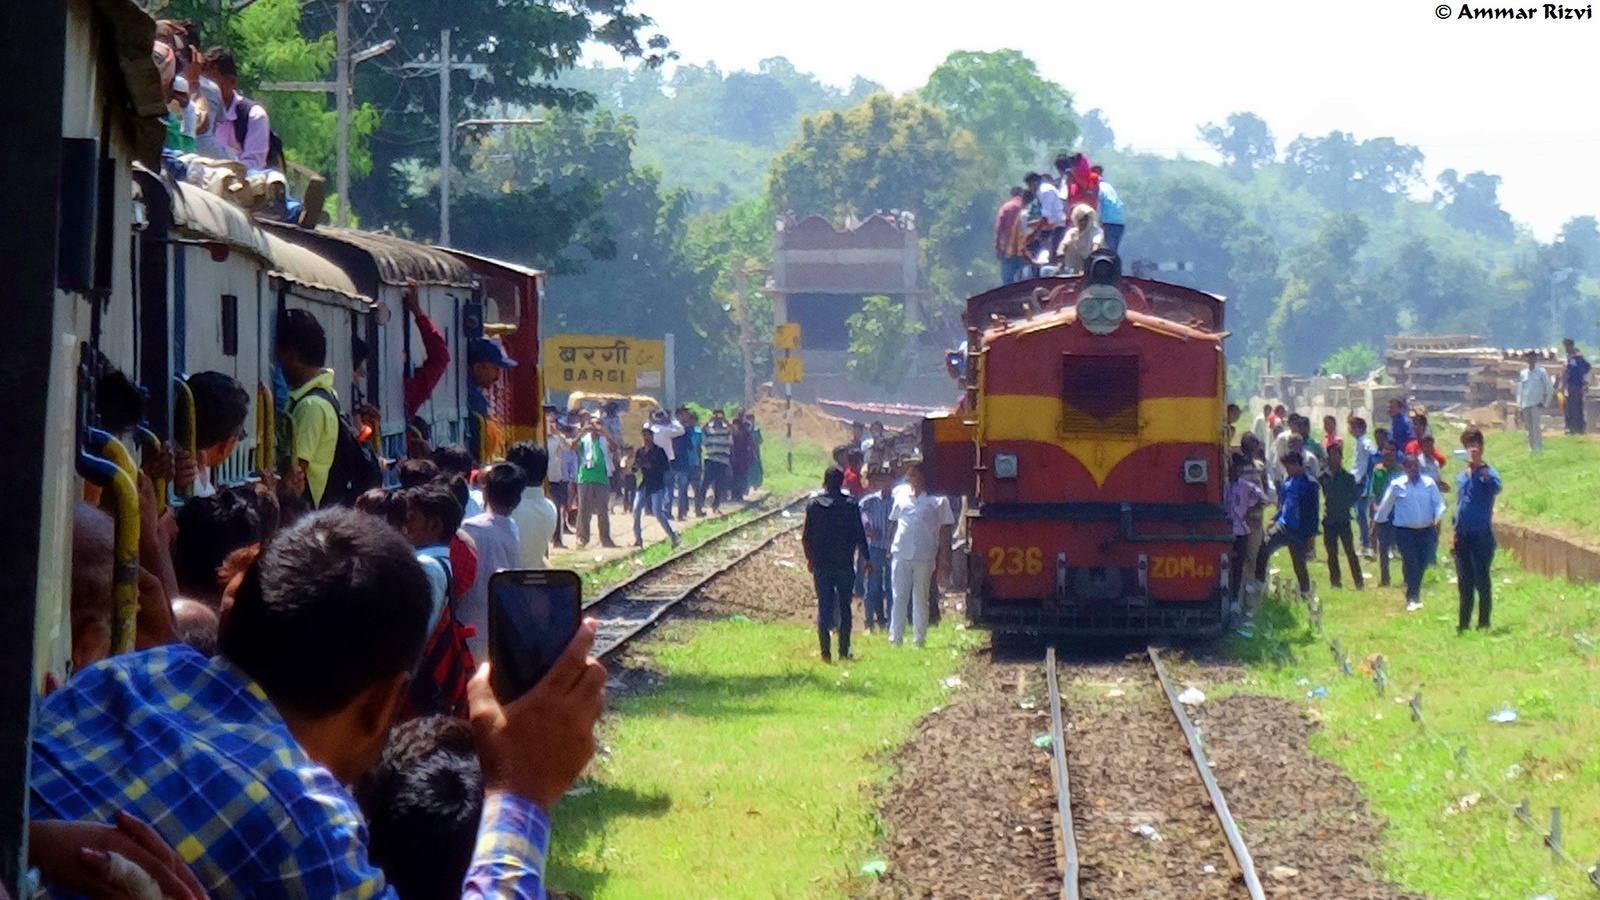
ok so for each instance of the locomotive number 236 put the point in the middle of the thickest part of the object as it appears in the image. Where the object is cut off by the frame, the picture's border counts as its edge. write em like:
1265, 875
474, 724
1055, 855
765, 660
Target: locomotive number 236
1015, 560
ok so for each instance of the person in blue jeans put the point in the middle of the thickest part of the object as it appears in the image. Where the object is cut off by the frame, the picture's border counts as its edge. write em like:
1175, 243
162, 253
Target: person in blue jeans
1476, 488
650, 462
875, 519
1296, 523
685, 471
832, 537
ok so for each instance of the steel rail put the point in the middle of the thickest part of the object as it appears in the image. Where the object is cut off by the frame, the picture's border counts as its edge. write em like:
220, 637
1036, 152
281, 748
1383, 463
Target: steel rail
1219, 803
1069, 835
609, 641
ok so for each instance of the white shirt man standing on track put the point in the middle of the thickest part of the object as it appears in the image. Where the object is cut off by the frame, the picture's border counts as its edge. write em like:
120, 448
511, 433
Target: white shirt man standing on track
919, 546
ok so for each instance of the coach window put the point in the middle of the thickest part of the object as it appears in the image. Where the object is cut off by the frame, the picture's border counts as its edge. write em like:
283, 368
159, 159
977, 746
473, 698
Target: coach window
1100, 395
230, 325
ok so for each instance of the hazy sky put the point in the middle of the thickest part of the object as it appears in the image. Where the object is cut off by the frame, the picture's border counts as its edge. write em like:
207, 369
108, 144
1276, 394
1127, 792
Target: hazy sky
1520, 99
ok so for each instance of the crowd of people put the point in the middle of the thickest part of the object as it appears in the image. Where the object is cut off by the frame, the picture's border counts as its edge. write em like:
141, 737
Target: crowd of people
594, 469
876, 534
1053, 224
244, 748
217, 138
1389, 501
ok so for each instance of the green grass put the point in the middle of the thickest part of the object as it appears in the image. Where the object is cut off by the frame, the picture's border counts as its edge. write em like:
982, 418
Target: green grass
1556, 489
753, 770
1539, 659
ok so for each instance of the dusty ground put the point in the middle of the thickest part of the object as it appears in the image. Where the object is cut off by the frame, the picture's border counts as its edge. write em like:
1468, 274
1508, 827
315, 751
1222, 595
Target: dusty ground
971, 810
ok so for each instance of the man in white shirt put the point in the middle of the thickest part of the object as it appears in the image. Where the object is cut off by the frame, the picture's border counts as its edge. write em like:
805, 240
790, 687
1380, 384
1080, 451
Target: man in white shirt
252, 148
1414, 506
919, 543
1535, 391
663, 428
535, 516
499, 547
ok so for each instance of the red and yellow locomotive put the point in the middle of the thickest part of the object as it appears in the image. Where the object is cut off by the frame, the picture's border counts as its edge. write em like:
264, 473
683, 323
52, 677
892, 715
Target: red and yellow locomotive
1092, 450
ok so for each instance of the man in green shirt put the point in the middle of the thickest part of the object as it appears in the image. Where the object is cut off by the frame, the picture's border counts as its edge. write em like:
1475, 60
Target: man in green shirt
596, 461
300, 347
1384, 472
1339, 493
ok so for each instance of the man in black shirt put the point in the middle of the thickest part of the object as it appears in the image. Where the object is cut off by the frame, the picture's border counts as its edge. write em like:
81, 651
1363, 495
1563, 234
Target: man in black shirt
832, 537
1340, 492
651, 463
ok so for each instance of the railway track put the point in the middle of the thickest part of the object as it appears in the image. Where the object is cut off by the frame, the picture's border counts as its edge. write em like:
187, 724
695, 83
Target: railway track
1239, 858
633, 606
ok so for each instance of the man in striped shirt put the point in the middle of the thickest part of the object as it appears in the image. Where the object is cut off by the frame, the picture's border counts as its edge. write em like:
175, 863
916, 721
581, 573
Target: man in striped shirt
718, 447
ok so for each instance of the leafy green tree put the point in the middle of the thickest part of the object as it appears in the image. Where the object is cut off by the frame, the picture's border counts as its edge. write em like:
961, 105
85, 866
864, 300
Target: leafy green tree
1244, 141
1097, 134
881, 338
1322, 306
523, 45
1353, 175
889, 153
1471, 202
1354, 362
1018, 115
1184, 219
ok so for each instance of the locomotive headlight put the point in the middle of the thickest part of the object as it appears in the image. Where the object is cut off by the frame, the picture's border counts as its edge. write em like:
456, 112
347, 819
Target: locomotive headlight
1005, 465
1101, 308
1196, 471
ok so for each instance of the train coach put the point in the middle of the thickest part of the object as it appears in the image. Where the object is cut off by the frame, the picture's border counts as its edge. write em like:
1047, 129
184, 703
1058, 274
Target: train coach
1091, 449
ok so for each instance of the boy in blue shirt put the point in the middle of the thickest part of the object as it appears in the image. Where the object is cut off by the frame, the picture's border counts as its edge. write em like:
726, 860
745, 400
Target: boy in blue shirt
1296, 522
1476, 488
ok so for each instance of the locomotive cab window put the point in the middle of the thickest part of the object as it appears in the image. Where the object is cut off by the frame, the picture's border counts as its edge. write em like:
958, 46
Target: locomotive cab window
1100, 395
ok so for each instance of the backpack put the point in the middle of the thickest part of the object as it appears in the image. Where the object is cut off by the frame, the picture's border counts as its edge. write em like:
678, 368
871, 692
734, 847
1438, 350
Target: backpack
355, 469
241, 128
439, 687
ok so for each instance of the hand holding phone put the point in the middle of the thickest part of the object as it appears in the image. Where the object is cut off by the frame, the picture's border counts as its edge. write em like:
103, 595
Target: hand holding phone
534, 615
538, 744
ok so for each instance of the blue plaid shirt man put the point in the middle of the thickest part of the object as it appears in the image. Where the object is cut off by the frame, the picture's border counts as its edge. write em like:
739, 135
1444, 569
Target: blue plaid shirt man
194, 747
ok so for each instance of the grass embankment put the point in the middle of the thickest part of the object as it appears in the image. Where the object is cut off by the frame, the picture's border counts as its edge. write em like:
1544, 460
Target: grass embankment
809, 463
752, 770
1539, 659
1554, 490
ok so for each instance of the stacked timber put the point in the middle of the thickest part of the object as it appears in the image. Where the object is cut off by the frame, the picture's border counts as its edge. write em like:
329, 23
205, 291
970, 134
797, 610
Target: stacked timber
1437, 370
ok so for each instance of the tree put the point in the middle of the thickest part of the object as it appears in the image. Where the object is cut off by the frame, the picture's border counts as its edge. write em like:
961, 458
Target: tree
1097, 133
1244, 142
880, 339
1356, 361
1017, 114
1189, 220
1350, 174
1472, 203
889, 153
757, 109
1322, 306
523, 46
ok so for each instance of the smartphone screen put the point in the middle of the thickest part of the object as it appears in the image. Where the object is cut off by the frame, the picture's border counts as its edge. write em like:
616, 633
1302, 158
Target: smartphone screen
533, 616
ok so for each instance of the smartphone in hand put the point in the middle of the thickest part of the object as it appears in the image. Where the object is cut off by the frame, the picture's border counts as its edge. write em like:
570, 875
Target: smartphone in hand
533, 615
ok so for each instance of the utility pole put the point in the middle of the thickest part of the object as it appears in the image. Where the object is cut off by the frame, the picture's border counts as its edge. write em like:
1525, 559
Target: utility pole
442, 67
341, 90
341, 87
444, 138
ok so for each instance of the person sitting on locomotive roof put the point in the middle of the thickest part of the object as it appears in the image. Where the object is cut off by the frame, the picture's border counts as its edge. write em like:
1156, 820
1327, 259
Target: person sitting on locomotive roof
1296, 522
1113, 217
1081, 240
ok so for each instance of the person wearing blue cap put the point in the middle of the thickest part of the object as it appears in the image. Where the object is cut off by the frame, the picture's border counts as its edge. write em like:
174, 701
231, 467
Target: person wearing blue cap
485, 361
